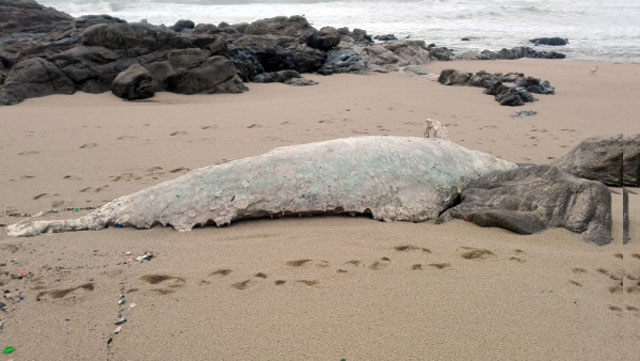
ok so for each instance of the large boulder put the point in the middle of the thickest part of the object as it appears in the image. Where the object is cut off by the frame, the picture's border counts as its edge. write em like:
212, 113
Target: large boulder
161, 72
454, 77
31, 78
204, 78
514, 96
531, 199
597, 158
631, 161
182, 25
342, 61
325, 39
133, 83
295, 26
411, 51
554, 41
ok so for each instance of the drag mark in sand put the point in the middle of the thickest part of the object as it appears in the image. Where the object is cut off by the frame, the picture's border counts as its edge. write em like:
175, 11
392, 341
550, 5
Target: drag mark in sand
62, 293
477, 253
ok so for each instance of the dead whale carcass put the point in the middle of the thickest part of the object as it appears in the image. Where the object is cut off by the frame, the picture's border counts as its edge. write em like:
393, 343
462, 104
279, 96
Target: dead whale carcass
392, 178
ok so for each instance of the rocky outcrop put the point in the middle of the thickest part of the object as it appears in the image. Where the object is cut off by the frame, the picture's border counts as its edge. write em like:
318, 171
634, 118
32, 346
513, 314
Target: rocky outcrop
31, 78
133, 83
517, 95
510, 54
205, 78
92, 50
531, 199
597, 158
554, 41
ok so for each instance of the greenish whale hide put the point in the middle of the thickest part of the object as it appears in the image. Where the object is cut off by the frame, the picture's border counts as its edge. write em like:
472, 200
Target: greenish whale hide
392, 178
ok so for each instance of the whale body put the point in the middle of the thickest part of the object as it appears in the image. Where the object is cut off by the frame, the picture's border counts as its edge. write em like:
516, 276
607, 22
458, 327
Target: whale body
390, 178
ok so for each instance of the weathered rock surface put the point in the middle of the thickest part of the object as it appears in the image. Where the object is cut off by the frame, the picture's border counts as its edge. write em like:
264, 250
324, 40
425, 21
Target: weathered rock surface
531, 199
385, 37
26, 16
599, 158
554, 41
133, 83
215, 71
631, 161
160, 72
517, 95
391, 178
276, 76
31, 78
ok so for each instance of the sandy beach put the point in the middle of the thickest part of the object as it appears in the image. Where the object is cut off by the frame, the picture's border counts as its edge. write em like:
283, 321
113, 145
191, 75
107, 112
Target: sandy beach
321, 288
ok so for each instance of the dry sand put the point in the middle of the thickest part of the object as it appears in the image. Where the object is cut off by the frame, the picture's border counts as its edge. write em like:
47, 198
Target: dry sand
234, 293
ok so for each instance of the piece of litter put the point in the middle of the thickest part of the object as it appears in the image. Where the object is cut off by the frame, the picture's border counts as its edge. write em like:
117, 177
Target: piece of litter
122, 301
2, 305
118, 225
8, 349
117, 330
121, 321
129, 254
145, 257
132, 305
21, 272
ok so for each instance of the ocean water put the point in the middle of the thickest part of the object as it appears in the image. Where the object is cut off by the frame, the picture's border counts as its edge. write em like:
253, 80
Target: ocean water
605, 30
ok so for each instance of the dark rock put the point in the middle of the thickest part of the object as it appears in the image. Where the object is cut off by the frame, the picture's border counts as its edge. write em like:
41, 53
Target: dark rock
160, 74
509, 54
276, 76
453, 77
360, 36
231, 86
241, 28
515, 96
133, 40
203, 79
26, 16
86, 21
342, 61
295, 26
246, 64
535, 85
386, 37
133, 83
524, 113
31, 78
412, 51
596, 158
302, 81
325, 39
496, 89
343, 30
631, 161
186, 58
440, 53
182, 24
465, 39
555, 41
531, 199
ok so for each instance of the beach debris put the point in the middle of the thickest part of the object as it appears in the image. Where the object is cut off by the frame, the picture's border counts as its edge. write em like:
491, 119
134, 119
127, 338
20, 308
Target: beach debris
390, 178
122, 301
438, 129
132, 305
121, 320
2, 306
524, 113
8, 349
147, 256
117, 330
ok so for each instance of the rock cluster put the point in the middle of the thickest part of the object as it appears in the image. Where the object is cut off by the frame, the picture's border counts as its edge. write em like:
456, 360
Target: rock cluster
518, 94
44, 51
510, 54
554, 41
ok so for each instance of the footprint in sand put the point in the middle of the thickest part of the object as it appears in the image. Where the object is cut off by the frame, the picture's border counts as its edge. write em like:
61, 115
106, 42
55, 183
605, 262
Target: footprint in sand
126, 137
64, 292
575, 283
409, 248
380, 264
440, 265
169, 281
180, 132
309, 282
221, 272
35, 198
416, 267
179, 169
477, 253
298, 263
280, 282
88, 146
241, 285
260, 275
